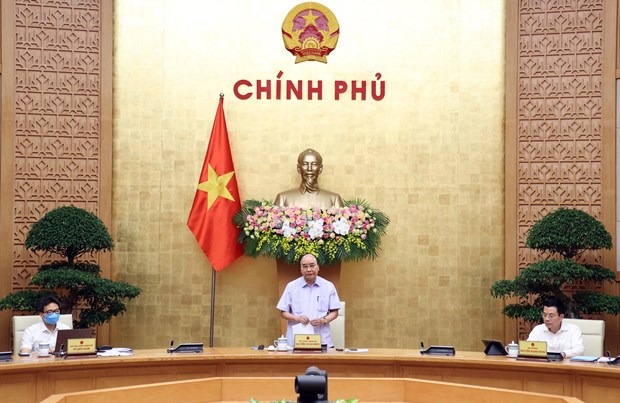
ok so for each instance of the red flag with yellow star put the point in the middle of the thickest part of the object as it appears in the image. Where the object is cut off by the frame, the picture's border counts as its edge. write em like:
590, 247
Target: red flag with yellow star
217, 199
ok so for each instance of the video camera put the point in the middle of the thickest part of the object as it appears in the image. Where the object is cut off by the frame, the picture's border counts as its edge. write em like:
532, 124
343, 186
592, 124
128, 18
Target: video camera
312, 386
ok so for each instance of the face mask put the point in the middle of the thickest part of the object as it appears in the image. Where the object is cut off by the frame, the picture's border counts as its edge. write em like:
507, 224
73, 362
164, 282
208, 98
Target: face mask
51, 318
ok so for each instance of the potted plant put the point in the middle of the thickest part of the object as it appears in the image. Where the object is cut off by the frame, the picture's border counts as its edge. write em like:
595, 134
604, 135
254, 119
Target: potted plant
73, 232
563, 236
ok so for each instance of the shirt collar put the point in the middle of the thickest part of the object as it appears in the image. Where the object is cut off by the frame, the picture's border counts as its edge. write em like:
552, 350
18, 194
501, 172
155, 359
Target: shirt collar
44, 328
562, 329
317, 282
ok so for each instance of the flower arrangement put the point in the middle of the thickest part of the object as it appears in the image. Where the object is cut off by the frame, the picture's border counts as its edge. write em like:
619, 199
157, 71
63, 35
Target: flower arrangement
335, 234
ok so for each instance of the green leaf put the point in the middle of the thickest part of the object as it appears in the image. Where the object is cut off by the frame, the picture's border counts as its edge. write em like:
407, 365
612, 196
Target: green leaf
568, 232
528, 312
591, 302
25, 300
502, 288
63, 278
69, 231
552, 273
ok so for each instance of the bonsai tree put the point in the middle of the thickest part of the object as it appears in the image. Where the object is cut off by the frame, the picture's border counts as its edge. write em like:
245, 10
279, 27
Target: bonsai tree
564, 235
73, 232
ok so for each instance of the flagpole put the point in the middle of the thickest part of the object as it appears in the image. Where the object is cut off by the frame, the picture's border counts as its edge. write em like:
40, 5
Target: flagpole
215, 203
212, 313
212, 318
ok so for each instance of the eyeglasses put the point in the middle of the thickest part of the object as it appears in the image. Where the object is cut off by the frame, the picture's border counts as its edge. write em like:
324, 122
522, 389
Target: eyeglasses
50, 312
549, 315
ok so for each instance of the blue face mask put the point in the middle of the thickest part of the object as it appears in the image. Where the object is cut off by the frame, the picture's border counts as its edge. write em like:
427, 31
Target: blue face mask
51, 318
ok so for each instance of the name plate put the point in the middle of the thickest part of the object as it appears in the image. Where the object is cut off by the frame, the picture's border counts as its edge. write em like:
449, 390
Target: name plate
307, 342
82, 346
534, 349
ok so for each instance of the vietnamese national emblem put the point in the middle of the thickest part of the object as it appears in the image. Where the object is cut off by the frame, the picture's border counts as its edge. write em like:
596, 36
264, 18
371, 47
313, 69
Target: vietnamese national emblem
310, 32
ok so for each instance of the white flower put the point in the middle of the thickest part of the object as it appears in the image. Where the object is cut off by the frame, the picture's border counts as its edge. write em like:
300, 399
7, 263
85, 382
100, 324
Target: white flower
341, 227
315, 228
287, 230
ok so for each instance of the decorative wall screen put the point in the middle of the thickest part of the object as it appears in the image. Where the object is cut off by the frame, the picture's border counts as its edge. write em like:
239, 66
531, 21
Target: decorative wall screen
559, 114
58, 91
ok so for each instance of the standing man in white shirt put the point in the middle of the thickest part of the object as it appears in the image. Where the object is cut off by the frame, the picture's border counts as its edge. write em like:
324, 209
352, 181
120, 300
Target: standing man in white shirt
564, 338
310, 300
46, 331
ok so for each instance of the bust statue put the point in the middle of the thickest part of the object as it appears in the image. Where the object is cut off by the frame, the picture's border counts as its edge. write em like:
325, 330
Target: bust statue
308, 194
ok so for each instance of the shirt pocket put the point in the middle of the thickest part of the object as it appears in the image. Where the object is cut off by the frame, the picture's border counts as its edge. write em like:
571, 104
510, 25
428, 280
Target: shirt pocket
297, 306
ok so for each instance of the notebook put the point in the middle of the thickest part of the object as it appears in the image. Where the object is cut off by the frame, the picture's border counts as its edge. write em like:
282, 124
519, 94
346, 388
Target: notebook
66, 334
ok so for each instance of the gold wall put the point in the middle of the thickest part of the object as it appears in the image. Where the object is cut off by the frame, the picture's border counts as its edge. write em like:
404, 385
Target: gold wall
430, 155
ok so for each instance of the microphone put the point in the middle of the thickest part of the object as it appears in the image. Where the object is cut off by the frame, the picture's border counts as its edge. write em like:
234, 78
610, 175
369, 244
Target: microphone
61, 351
421, 347
170, 349
609, 357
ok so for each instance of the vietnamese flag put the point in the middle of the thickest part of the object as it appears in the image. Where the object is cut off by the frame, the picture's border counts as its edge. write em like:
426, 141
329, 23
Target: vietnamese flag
217, 199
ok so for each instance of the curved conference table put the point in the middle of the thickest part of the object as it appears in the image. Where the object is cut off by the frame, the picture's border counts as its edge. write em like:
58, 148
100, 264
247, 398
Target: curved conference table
29, 379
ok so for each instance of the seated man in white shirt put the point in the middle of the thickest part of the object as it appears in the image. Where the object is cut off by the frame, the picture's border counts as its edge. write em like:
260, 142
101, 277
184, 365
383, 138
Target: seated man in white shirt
564, 338
46, 331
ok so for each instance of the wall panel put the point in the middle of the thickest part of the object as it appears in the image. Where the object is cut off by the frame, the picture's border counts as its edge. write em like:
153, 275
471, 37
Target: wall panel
56, 127
560, 140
